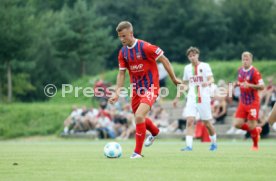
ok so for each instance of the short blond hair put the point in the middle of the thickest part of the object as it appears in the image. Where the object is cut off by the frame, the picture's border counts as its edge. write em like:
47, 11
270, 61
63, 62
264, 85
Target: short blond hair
192, 49
124, 25
247, 53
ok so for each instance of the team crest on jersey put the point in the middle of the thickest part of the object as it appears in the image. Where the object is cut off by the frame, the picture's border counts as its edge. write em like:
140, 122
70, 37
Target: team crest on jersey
138, 55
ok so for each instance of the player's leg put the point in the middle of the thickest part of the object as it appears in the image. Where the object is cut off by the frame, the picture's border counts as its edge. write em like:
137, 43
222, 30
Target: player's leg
149, 99
255, 133
240, 118
190, 113
153, 129
205, 113
239, 123
272, 117
140, 115
249, 113
189, 134
213, 136
253, 116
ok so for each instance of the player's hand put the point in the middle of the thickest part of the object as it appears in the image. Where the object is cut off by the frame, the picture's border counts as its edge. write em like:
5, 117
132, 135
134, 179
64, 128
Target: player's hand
113, 99
245, 84
177, 81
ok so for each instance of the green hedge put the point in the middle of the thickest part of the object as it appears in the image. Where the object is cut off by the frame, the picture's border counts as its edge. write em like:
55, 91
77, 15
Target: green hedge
20, 119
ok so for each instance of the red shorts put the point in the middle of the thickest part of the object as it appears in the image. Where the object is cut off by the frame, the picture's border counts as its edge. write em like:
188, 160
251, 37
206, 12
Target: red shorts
249, 112
147, 98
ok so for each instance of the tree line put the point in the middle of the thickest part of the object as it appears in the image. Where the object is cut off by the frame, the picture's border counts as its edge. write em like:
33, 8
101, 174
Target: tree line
59, 41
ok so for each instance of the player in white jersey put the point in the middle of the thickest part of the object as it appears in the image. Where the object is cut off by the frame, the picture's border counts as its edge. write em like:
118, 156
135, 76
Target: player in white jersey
199, 77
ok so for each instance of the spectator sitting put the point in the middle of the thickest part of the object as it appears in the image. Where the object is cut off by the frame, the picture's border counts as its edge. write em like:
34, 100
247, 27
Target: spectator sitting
126, 125
160, 117
219, 110
89, 120
79, 123
71, 120
106, 109
177, 126
269, 94
105, 126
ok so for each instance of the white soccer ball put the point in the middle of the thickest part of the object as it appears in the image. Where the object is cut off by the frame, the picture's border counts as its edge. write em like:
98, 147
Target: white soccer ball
113, 150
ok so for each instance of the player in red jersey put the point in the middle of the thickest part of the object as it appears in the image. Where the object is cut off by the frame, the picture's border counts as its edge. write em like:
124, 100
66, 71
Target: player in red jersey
139, 58
250, 81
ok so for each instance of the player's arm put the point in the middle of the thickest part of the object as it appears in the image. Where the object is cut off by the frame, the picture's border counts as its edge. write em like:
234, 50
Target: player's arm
209, 75
167, 65
120, 82
259, 86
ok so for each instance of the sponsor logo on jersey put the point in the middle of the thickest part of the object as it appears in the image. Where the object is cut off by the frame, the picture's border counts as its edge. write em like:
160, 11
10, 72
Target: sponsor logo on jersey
196, 80
136, 67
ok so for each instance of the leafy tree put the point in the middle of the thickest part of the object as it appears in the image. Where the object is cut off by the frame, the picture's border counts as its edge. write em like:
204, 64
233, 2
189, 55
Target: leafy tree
15, 35
84, 38
251, 26
48, 67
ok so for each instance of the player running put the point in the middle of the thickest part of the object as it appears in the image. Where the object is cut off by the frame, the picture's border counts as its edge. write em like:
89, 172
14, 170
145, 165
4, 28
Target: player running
139, 58
250, 81
199, 77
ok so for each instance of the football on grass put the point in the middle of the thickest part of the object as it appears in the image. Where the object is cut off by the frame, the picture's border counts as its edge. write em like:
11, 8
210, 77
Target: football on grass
113, 150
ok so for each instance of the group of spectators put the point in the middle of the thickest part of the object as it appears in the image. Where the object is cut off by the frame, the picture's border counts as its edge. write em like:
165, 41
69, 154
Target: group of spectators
107, 120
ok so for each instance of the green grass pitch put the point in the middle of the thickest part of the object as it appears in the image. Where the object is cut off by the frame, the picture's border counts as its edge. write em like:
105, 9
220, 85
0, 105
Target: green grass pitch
72, 160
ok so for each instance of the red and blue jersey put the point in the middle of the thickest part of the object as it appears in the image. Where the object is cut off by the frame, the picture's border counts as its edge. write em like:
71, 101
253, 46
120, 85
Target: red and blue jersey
140, 60
249, 95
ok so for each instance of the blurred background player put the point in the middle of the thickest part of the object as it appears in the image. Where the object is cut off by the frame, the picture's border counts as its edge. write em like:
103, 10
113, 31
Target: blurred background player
140, 57
198, 75
272, 117
249, 81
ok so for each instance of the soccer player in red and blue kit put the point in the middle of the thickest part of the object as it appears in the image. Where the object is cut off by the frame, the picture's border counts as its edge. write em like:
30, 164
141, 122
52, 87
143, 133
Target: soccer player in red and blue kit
139, 58
250, 81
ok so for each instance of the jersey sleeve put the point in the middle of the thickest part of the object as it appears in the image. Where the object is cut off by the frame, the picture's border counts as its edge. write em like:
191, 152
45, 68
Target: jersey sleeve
208, 70
121, 61
257, 78
153, 51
